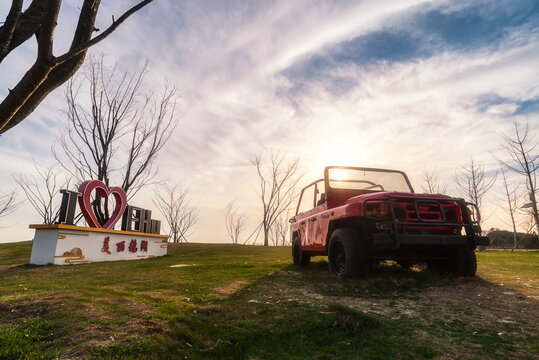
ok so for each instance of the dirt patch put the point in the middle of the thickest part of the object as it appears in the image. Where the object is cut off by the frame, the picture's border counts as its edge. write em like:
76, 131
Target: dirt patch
94, 336
168, 295
95, 327
475, 306
31, 308
138, 307
12, 267
225, 291
459, 301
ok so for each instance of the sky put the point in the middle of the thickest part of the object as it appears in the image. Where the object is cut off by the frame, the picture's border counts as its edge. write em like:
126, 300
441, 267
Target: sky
409, 85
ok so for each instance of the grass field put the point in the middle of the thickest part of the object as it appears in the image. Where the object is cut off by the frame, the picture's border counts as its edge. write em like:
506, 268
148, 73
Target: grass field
242, 302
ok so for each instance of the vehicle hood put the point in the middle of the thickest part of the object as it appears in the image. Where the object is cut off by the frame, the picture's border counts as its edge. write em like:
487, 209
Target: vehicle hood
383, 194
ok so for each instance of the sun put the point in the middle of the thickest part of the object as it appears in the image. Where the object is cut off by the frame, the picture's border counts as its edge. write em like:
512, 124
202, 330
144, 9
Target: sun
340, 174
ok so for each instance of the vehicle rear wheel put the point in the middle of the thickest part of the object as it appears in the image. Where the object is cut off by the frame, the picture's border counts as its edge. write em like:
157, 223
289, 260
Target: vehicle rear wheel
343, 254
298, 255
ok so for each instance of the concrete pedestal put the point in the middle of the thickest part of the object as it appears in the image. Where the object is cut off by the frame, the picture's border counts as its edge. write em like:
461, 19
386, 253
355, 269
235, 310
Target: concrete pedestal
67, 244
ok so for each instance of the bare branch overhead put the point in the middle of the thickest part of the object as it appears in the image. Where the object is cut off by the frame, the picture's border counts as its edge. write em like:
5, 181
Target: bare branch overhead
48, 71
9, 203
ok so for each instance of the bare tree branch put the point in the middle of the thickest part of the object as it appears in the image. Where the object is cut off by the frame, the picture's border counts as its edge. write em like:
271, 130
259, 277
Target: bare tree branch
41, 191
277, 184
521, 148
9, 203
472, 182
511, 205
432, 184
279, 231
8, 29
117, 138
180, 215
115, 24
48, 72
234, 221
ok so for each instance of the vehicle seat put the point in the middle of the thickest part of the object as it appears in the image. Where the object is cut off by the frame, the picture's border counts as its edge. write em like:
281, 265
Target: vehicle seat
322, 199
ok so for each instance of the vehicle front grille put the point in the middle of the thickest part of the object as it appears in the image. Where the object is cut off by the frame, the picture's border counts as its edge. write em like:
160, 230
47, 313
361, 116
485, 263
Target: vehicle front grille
411, 211
426, 211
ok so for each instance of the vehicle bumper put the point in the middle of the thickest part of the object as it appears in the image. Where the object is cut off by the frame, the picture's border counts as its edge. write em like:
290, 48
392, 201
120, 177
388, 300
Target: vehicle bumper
412, 239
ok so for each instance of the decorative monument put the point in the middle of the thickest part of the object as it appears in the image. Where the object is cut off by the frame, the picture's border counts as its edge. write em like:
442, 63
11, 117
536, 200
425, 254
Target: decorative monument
65, 243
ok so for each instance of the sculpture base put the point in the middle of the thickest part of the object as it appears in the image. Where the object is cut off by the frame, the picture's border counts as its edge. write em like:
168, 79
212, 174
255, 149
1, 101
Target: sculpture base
67, 244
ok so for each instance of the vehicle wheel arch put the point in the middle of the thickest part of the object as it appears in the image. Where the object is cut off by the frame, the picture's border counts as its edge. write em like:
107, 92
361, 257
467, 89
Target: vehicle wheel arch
359, 224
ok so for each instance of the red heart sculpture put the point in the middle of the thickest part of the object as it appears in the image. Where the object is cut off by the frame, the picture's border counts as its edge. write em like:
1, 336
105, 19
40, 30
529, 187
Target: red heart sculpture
85, 204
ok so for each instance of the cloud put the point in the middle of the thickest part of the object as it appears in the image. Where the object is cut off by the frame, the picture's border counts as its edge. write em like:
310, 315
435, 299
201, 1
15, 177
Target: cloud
400, 84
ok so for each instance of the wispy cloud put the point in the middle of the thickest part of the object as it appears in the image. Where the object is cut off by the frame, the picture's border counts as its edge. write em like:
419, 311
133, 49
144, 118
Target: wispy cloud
401, 84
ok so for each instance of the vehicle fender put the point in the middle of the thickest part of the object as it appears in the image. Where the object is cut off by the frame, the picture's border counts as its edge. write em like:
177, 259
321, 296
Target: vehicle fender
356, 223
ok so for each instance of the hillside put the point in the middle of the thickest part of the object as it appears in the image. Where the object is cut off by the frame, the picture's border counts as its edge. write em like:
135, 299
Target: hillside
243, 302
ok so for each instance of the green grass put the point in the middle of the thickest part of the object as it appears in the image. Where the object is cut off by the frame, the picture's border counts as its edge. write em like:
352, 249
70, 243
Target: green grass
245, 302
33, 339
15, 253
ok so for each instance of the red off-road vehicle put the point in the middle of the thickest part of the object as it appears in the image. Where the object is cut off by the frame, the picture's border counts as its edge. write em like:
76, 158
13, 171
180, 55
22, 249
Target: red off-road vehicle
359, 216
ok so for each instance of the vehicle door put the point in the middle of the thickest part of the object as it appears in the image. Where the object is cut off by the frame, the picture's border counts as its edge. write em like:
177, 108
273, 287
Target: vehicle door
318, 221
305, 213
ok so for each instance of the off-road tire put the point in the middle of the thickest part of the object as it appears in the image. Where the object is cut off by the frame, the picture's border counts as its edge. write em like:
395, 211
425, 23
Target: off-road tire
405, 264
465, 262
438, 266
298, 256
344, 255
461, 262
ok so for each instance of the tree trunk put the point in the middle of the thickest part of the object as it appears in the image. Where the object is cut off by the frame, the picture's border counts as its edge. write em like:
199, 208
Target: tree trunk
534, 207
266, 235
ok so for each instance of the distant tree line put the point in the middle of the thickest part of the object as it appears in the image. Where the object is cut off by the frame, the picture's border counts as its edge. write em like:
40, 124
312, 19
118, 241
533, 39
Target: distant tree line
517, 200
504, 239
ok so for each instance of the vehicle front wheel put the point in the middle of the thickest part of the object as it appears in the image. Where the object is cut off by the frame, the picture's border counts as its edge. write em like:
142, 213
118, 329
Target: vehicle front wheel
461, 262
405, 264
465, 262
298, 255
343, 253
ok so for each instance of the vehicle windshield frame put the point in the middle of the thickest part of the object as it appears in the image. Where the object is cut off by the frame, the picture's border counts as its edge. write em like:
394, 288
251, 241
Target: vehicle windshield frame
329, 187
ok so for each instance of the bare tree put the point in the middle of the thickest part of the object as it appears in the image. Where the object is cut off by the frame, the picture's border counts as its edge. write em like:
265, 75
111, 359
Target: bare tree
432, 184
180, 215
511, 205
118, 137
8, 203
42, 190
277, 184
521, 150
48, 71
279, 231
234, 221
472, 182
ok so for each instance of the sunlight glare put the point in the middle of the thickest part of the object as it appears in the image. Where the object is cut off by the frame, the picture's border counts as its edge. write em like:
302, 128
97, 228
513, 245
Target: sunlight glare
339, 174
